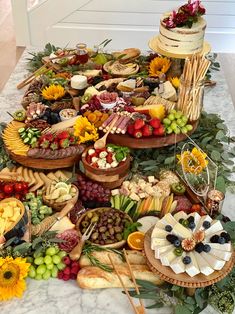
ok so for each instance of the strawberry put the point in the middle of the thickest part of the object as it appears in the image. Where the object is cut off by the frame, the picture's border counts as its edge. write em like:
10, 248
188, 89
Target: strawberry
63, 135
94, 155
130, 129
137, 134
95, 165
160, 131
73, 140
155, 123
139, 123
88, 159
54, 146
64, 143
49, 137
45, 144
109, 158
147, 130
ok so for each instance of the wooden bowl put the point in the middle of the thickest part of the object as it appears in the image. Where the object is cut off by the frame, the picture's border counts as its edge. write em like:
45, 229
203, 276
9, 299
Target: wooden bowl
20, 223
115, 245
109, 178
46, 164
59, 206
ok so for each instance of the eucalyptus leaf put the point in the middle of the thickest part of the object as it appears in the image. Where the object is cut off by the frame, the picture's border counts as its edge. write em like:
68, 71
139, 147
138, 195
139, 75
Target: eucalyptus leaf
146, 284
148, 163
181, 309
220, 135
169, 160
220, 184
156, 305
215, 155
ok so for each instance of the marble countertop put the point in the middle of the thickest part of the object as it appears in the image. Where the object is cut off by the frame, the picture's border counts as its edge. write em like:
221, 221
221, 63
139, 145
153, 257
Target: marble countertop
59, 297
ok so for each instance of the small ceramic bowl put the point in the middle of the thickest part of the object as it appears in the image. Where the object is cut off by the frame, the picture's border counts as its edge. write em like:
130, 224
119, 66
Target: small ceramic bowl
110, 105
66, 114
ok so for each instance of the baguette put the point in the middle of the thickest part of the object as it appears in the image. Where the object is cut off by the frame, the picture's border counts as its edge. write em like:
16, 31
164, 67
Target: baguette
134, 257
92, 277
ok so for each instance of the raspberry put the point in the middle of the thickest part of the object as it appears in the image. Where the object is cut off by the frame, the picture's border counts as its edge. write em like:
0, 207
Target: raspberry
66, 260
67, 271
60, 274
66, 277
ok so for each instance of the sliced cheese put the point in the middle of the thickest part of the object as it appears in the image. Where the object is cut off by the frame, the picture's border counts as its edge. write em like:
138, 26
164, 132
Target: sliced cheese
203, 265
192, 269
168, 219
161, 249
177, 265
222, 247
45, 179
200, 223
182, 231
224, 255
167, 257
159, 233
62, 225
155, 242
213, 261
196, 217
216, 226
180, 215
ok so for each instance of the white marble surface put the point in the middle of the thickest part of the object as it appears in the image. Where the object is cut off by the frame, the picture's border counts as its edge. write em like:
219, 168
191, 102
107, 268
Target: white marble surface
59, 297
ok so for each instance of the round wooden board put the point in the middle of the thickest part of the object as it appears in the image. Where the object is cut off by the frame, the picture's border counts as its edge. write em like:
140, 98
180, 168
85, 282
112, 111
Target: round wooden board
39, 163
183, 280
153, 44
149, 142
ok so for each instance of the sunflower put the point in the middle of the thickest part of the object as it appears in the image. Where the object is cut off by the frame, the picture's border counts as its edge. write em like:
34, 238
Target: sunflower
85, 131
53, 92
159, 65
12, 274
175, 81
194, 161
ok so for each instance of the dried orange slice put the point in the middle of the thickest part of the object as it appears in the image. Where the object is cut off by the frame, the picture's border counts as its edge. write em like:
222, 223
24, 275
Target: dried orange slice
135, 240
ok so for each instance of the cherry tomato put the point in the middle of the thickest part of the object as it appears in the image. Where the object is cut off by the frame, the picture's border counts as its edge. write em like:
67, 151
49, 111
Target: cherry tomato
18, 196
19, 187
8, 188
25, 186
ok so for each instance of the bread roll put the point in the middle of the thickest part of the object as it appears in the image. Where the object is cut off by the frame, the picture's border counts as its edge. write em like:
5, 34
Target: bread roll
92, 277
134, 257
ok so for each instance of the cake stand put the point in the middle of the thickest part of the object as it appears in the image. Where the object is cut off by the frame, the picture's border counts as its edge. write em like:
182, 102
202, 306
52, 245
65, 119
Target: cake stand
183, 280
154, 45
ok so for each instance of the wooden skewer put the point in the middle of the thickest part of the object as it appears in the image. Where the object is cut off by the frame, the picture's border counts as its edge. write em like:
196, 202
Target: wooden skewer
134, 281
123, 285
29, 79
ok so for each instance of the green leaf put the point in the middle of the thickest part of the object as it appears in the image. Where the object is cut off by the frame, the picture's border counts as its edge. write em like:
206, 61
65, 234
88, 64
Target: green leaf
148, 163
206, 139
215, 155
181, 309
36, 242
219, 135
146, 284
199, 299
169, 160
190, 300
221, 126
156, 305
220, 184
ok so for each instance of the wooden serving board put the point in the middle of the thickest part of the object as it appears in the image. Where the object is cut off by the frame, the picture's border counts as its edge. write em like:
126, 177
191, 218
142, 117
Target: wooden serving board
183, 280
46, 164
149, 142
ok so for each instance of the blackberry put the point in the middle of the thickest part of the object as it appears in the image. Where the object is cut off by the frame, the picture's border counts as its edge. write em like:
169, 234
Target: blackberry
226, 236
171, 238
168, 228
221, 240
191, 225
206, 224
206, 248
199, 247
187, 260
190, 219
214, 239
177, 243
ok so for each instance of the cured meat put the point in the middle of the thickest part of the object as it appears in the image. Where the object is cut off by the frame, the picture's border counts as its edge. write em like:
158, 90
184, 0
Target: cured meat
70, 238
55, 154
183, 203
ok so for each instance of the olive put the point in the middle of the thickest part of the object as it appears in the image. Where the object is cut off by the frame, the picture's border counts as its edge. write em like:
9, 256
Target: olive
112, 237
102, 229
85, 223
94, 236
109, 226
111, 231
101, 242
107, 233
95, 218
117, 229
110, 220
103, 236
89, 214
108, 241
83, 230
118, 236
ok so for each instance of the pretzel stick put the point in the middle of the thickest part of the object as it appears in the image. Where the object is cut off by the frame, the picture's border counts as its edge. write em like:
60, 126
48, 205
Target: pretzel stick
123, 285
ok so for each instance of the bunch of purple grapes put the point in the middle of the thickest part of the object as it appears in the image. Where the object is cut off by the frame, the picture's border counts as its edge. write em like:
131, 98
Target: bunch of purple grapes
92, 194
92, 105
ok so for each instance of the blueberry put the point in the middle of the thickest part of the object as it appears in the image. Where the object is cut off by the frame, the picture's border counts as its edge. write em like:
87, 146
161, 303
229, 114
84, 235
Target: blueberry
171, 238
177, 243
214, 239
226, 236
168, 228
190, 219
187, 260
221, 240
199, 247
192, 225
206, 248
206, 224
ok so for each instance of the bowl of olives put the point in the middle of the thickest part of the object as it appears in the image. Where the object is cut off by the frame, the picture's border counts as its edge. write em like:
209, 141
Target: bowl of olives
109, 228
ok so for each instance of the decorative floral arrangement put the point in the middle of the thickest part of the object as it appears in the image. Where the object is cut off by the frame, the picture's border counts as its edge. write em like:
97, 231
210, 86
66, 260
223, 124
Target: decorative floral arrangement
194, 161
53, 92
159, 66
175, 81
186, 15
85, 131
12, 277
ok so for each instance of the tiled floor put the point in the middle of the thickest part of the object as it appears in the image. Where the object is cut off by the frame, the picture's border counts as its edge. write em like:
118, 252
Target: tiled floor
10, 54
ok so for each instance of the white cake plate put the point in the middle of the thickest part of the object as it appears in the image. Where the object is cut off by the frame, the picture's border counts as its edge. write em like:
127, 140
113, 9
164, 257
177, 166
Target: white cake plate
154, 45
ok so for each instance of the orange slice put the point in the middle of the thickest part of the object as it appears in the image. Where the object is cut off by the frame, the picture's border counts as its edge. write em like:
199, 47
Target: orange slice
135, 240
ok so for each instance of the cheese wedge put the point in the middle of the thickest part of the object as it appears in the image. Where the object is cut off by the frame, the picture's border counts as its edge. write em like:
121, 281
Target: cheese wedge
39, 182
155, 242
168, 219
200, 223
196, 217
167, 257
224, 255
203, 265
221, 247
216, 226
159, 233
161, 249
180, 215
182, 231
213, 261
31, 176
192, 269
177, 265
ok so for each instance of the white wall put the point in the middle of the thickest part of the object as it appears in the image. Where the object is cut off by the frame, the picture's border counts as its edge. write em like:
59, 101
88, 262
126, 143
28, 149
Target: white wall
127, 22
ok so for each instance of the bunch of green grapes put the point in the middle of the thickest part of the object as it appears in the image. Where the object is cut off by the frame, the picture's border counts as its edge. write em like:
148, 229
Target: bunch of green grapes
44, 266
176, 122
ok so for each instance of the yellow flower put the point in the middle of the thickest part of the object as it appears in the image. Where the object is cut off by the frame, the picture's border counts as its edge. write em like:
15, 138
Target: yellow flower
175, 81
12, 274
194, 161
159, 65
53, 92
85, 131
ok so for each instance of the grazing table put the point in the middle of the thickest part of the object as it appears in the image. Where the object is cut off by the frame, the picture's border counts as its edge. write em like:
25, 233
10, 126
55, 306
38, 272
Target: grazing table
59, 297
